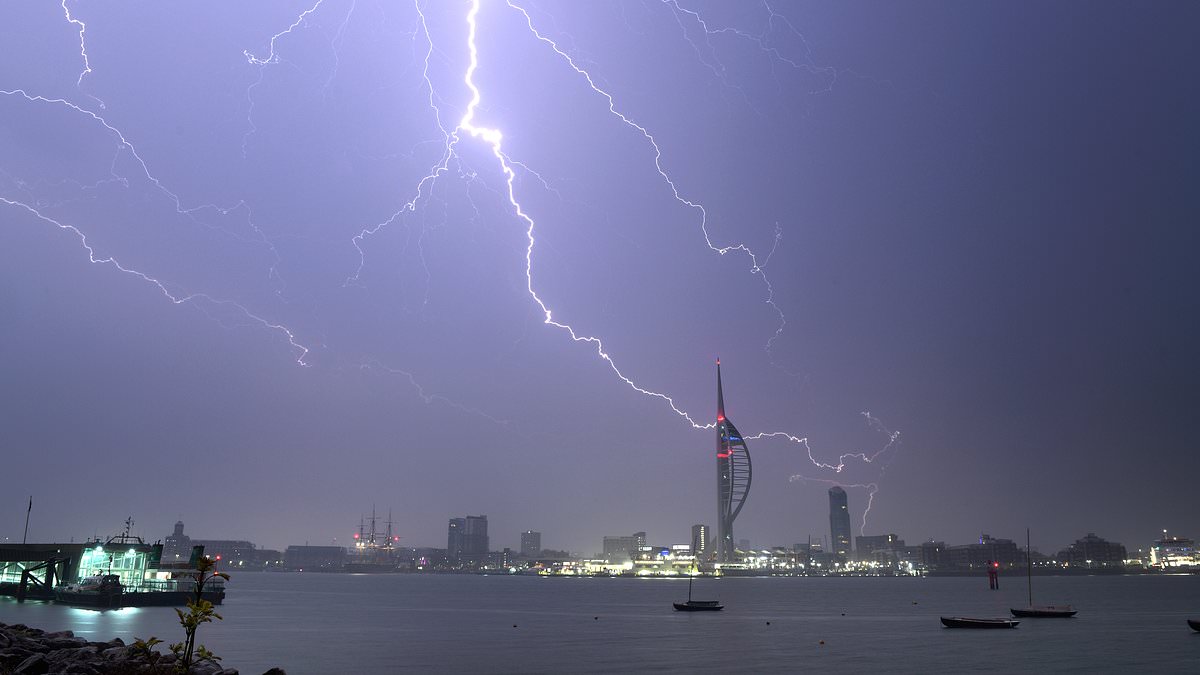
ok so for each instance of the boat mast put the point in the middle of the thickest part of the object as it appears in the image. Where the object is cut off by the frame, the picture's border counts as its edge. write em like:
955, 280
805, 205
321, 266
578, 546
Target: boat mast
1029, 567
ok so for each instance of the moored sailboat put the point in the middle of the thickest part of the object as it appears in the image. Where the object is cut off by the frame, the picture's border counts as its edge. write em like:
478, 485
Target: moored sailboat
1039, 611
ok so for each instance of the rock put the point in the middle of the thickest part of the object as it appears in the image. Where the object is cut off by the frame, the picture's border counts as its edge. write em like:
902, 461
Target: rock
34, 665
229, 671
60, 634
14, 655
117, 654
77, 668
275, 671
63, 642
77, 654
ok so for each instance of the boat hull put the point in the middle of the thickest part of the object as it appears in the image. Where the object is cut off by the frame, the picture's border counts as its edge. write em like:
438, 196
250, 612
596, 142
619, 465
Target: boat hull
1044, 612
698, 606
967, 622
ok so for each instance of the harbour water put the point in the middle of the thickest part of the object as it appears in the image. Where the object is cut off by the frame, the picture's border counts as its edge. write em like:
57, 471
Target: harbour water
322, 624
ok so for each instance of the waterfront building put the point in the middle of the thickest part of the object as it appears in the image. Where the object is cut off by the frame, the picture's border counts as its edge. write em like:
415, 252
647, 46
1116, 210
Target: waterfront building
733, 476
467, 540
621, 547
1092, 551
981, 554
177, 545
930, 553
314, 558
700, 543
531, 543
888, 545
839, 523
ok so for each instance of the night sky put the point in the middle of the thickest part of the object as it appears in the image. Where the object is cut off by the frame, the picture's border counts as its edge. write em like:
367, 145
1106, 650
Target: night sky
977, 221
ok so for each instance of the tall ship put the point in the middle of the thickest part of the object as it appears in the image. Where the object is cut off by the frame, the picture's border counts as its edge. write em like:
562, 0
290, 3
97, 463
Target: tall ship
374, 551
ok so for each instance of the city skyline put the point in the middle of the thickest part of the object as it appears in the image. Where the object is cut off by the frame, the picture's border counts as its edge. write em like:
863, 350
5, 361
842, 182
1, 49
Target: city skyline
479, 258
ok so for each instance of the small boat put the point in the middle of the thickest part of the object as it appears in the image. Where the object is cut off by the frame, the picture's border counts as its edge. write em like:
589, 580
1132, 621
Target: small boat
697, 605
1195, 624
1045, 611
1039, 611
968, 622
101, 590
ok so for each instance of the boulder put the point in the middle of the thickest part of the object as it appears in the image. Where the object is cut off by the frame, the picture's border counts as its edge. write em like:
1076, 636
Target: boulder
34, 665
77, 668
77, 654
275, 671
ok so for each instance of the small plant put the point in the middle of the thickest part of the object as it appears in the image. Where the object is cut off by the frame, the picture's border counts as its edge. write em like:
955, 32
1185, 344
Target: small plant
199, 611
145, 648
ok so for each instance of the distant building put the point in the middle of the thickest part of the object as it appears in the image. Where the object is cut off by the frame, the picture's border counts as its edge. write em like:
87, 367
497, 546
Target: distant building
882, 548
988, 550
177, 545
467, 540
1092, 551
839, 523
177, 548
619, 547
314, 558
700, 541
930, 553
531, 543
229, 552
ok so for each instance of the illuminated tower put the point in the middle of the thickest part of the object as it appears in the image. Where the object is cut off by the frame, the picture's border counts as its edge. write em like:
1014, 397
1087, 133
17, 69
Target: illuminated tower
733, 476
839, 523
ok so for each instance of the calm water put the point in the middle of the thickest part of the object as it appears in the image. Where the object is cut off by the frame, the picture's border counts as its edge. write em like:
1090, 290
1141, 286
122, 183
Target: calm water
326, 623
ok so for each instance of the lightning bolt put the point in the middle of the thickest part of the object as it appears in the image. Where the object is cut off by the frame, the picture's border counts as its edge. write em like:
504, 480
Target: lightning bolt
493, 139
879, 456
261, 63
175, 298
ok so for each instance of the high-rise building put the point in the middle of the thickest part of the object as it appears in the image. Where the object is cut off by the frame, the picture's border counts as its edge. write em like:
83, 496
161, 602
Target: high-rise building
177, 545
466, 538
531, 543
1093, 551
700, 544
839, 523
621, 547
733, 476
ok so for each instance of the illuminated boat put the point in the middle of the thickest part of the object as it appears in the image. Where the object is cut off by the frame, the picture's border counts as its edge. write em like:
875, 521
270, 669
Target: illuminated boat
968, 622
100, 590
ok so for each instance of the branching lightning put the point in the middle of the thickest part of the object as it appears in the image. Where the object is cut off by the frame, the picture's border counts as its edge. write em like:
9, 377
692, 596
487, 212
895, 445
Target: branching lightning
468, 127
174, 297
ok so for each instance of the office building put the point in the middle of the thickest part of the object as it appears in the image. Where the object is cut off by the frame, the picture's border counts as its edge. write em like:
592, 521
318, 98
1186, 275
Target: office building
839, 523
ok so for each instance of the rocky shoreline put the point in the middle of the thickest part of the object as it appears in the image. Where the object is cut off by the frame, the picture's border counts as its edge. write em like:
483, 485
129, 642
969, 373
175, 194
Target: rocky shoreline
30, 651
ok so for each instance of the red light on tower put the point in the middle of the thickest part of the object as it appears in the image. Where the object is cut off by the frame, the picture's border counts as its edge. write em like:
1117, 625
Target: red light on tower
356, 536
218, 557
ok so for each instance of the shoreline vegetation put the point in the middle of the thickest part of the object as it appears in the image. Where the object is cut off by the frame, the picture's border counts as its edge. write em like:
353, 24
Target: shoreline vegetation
31, 651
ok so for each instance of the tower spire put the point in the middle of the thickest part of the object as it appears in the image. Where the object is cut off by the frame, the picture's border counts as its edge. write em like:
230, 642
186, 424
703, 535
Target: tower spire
720, 395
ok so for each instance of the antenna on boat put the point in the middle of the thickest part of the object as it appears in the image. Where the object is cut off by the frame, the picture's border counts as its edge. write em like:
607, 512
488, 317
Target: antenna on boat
1029, 566
27, 512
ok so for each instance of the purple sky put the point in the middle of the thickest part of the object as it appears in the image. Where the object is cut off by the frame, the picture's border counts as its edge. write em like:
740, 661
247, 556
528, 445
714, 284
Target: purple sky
976, 221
